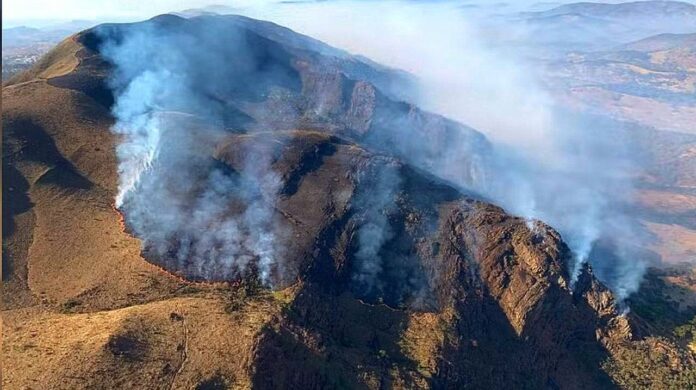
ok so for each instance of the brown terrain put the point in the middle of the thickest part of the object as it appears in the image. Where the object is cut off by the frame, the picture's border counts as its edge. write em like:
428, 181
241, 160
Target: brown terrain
647, 87
650, 82
477, 298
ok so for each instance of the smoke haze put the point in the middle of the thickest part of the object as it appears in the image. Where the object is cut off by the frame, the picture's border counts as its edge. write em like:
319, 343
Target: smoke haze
169, 116
546, 163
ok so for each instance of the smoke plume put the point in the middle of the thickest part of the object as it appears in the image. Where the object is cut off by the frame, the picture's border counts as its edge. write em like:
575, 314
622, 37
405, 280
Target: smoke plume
547, 163
170, 115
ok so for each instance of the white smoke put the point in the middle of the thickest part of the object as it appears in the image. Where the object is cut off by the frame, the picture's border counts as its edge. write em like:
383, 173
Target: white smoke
548, 164
376, 199
174, 195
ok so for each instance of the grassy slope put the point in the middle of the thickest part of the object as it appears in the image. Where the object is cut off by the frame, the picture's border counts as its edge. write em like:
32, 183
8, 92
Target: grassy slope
81, 306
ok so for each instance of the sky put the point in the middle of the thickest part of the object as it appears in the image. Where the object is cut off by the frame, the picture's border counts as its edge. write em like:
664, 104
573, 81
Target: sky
37, 13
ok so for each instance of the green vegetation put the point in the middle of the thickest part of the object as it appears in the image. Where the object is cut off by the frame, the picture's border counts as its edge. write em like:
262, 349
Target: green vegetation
686, 333
655, 304
652, 364
240, 293
660, 306
663, 360
69, 305
217, 382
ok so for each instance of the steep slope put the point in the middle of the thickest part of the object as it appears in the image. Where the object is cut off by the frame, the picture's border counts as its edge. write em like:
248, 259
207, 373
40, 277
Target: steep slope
464, 295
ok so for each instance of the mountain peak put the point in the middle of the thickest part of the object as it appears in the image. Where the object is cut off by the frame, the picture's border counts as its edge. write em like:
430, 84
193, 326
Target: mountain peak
377, 270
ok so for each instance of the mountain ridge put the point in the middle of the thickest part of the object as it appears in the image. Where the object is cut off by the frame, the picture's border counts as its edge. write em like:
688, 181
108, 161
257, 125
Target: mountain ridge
496, 305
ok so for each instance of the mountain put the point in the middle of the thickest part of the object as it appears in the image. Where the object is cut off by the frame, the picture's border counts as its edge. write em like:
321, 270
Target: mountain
23, 46
663, 42
657, 73
645, 90
218, 9
647, 9
599, 26
388, 274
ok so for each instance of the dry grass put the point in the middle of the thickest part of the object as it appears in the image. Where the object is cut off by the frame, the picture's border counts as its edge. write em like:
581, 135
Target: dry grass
60, 61
85, 310
81, 307
666, 202
675, 244
141, 346
645, 111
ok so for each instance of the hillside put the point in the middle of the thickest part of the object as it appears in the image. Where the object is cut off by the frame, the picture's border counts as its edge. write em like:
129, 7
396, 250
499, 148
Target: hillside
464, 295
675, 9
645, 91
663, 42
590, 26
22, 46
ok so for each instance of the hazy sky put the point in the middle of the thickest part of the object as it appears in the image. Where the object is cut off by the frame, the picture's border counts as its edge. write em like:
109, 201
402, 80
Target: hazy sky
37, 12
27, 11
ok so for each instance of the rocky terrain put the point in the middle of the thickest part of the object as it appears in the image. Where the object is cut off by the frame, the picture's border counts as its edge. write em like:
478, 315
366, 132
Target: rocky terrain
465, 295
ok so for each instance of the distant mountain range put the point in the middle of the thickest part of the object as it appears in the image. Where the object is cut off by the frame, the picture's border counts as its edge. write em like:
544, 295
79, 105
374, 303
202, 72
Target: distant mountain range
22, 35
596, 26
22, 46
639, 9
663, 42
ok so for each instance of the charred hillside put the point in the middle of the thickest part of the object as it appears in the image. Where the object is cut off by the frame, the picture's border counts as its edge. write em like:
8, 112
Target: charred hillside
314, 202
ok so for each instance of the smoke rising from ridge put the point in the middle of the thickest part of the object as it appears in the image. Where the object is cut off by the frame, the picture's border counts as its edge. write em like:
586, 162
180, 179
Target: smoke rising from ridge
377, 200
169, 116
547, 163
